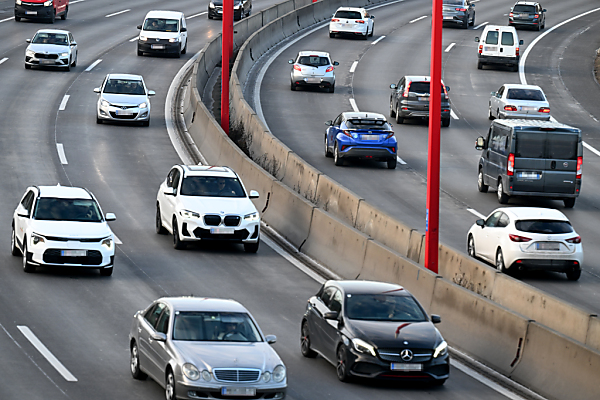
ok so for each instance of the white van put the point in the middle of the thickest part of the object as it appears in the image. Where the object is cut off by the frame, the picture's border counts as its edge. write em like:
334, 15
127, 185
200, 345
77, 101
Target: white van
163, 32
499, 45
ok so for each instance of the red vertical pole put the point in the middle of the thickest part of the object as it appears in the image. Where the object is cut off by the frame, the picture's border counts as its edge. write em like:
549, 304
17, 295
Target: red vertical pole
433, 161
226, 54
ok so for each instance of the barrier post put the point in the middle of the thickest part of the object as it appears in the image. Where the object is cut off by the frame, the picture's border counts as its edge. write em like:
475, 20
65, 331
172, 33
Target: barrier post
226, 53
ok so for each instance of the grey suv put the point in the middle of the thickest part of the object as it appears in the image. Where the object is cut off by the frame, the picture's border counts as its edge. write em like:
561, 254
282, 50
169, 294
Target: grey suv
410, 99
527, 13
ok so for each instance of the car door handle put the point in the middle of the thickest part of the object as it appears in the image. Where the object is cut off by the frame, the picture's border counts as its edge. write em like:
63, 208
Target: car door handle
553, 165
139, 330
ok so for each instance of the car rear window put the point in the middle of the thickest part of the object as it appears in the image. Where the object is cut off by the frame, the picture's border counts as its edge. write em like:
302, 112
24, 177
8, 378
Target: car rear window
561, 146
453, 2
371, 124
313, 61
525, 94
383, 307
492, 37
507, 39
524, 9
545, 226
546, 145
348, 14
421, 87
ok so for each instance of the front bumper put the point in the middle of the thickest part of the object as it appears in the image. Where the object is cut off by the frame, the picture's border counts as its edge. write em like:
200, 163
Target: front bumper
48, 60
211, 391
217, 13
461, 20
117, 113
498, 60
193, 229
161, 47
51, 253
33, 11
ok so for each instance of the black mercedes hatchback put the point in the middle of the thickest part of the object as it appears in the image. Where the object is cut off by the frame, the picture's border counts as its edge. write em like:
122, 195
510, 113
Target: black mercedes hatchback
374, 330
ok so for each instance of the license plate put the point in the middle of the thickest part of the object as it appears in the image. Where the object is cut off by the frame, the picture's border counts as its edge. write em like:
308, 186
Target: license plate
529, 175
312, 80
424, 98
490, 48
406, 367
448, 17
369, 137
47, 62
157, 46
123, 112
238, 391
31, 12
222, 231
73, 253
547, 246
526, 108
524, 15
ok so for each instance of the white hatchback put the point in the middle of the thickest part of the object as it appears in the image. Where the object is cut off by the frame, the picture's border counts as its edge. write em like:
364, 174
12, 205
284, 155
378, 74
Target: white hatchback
352, 21
62, 226
527, 238
201, 202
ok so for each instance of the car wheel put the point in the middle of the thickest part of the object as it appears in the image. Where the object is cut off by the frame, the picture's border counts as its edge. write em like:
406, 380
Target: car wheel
365, 36
184, 48
252, 247
18, 19
392, 111
399, 119
139, 52
341, 366
292, 87
328, 153
14, 250
305, 342
331, 88
569, 203
64, 16
27, 267
160, 229
27, 66
337, 160
473, 20
481, 186
134, 364
177, 243
210, 16
479, 65
52, 17
98, 120
331, 35
74, 63
178, 54
170, 387
438, 382
106, 271
502, 197
574, 274
466, 24
490, 115
500, 266
372, 30
146, 123
392, 162
471, 247
68, 67
446, 122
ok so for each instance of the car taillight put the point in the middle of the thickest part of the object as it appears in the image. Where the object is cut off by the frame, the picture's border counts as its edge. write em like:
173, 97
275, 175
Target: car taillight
517, 51
518, 239
510, 108
329, 69
297, 67
511, 15
405, 94
347, 133
536, 16
461, 9
510, 165
335, 20
544, 110
480, 48
445, 92
576, 239
389, 134
360, 21
579, 167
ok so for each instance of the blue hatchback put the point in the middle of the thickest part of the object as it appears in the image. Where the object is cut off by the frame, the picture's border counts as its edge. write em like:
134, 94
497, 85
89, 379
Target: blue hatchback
361, 135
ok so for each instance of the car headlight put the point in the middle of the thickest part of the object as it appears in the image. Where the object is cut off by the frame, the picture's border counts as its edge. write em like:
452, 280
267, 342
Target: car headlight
206, 375
266, 376
237, 7
190, 371
174, 40
143, 105
30, 53
143, 38
48, 3
35, 239
189, 214
279, 373
441, 350
211, 5
251, 217
363, 347
107, 242
18, 2
64, 54
104, 103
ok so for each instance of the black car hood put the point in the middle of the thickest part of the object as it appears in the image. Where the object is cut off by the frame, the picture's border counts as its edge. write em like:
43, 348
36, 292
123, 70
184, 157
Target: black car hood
393, 334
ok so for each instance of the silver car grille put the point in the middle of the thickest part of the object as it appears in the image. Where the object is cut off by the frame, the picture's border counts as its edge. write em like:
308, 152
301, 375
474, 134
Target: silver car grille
236, 374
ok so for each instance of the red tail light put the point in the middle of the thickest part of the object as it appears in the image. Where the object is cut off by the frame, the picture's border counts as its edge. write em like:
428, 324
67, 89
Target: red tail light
510, 108
347, 133
579, 167
335, 20
544, 110
461, 9
576, 239
536, 16
390, 134
517, 51
344, 148
329, 69
405, 94
510, 167
360, 21
393, 149
511, 15
519, 239
297, 68
480, 48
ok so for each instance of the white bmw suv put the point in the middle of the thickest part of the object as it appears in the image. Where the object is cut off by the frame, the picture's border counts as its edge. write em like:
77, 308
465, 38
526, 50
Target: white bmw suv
200, 202
59, 226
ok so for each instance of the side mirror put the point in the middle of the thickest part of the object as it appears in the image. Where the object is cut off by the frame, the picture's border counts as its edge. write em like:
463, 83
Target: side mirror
22, 211
544, 10
254, 194
331, 315
329, 123
170, 191
183, 29
139, 27
447, 88
110, 217
73, 44
290, 61
151, 92
493, 94
521, 42
28, 40
477, 38
436, 319
480, 143
480, 223
159, 337
271, 339
97, 90
336, 63
372, 17
393, 86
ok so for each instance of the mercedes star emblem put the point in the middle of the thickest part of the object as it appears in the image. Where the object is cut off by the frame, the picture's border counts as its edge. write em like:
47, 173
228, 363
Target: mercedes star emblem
406, 355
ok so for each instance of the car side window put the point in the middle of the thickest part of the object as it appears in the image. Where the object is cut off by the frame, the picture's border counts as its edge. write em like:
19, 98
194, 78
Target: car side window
492, 221
401, 84
338, 121
170, 177
163, 321
499, 141
176, 178
327, 294
501, 91
491, 37
153, 313
503, 221
28, 200
336, 302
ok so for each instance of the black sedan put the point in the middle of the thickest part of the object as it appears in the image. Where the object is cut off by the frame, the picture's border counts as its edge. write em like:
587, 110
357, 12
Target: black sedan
374, 330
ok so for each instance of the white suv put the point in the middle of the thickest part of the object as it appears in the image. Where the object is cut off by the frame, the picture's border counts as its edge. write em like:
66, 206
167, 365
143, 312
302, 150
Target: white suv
62, 226
200, 202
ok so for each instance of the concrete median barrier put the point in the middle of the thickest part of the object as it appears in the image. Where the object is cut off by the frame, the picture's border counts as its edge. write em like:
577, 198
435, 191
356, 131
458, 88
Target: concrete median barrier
466, 271
301, 177
285, 8
261, 41
337, 200
269, 15
212, 55
305, 16
289, 23
593, 335
301, 3
416, 246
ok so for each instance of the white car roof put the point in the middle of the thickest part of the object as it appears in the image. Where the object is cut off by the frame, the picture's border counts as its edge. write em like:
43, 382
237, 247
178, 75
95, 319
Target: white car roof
534, 213
534, 123
203, 304
350, 9
368, 115
519, 86
208, 170
65, 192
126, 76
526, 3
313, 53
164, 14
500, 28
52, 31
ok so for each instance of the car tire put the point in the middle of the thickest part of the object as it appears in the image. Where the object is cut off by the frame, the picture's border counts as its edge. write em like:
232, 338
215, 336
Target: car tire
68, 67
184, 51
27, 66
170, 386
392, 162
365, 36
210, 16
252, 247
337, 160
446, 122
481, 186
574, 274
139, 52
18, 19
292, 87
479, 65
64, 16
331, 35
372, 31
27, 267
98, 120
331, 88
500, 266
399, 119
392, 111
472, 21
466, 23
74, 63
438, 382
341, 366
134, 363
569, 203
146, 123
52, 17
328, 153
178, 244
502, 197
14, 250
471, 247
305, 342
106, 271
160, 229
178, 54
490, 115
515, 68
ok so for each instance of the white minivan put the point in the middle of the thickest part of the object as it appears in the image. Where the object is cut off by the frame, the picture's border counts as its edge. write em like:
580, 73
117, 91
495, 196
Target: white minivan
163, 32
499, 45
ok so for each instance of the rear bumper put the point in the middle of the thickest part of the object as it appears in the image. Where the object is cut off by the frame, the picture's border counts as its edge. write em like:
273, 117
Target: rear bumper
456, 20
498, 60
546, 265
518, 115
374, 153
422, 113
556, 196
323, 81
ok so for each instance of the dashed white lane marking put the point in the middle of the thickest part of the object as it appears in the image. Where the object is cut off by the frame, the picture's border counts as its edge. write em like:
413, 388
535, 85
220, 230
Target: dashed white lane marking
450, 47
117, 240
76, 1
378, 39
475, 213
453, 114
3, 60
88, 69
401, 161
197, 15
135, 38
61, 153
417, 19
117, 13
480, 25
63, 103
354, 106
353, 67
46, 353
7, 19
590, 148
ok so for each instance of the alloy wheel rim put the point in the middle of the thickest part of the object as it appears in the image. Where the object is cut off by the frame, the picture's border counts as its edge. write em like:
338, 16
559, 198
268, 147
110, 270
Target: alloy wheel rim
170, 387
134, 359
341, 366
471, 247
500, 190
305, 340
499, 262
12, 240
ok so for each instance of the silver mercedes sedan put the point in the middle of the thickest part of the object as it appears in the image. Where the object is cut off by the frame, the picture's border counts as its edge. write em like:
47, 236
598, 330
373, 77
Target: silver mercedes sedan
125, 98
519, 101
202, 348
313, 68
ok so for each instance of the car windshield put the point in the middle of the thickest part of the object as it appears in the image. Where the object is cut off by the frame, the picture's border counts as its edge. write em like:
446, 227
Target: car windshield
313, 61
520, 8
161, 25
368, 124
51, 38
348, 15
204, 326
57, 209
545, 226
525, 94
124, 86
383, 307
212, 186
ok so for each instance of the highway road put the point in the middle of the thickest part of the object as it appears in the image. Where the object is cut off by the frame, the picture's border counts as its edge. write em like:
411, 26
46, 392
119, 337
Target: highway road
83, 319
561, 63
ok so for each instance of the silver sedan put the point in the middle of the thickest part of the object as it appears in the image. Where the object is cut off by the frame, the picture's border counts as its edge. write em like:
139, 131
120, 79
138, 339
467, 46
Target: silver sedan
519, 101
201, 348
313, 68
125, 98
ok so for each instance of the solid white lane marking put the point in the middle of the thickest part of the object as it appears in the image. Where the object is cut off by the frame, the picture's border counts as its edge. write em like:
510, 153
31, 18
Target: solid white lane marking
292, 259
380, 38
453, 114
417, 19
63, 103
590, 148
7, 19
61, 153
401, 161
353, 104
117, 13
480, 25
353, 67
76, 1
134, 39
537, 39
88, 69
475, 213
3, 60
117, 240
197, 15
450, 47
46, 353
